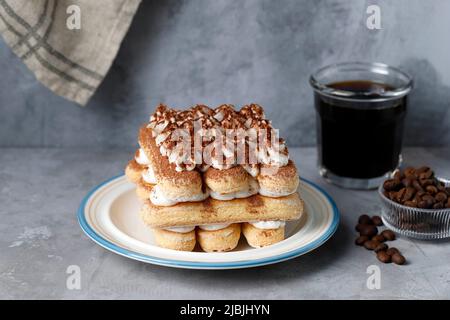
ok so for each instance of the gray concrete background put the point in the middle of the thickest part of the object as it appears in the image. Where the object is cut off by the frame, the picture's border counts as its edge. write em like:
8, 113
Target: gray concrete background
212, 52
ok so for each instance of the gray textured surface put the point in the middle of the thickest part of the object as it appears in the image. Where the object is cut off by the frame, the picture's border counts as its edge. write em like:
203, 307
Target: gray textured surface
186, 52
40, 237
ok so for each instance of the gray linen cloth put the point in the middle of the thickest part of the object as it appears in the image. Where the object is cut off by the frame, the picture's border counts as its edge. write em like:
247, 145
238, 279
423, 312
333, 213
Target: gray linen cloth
68, 44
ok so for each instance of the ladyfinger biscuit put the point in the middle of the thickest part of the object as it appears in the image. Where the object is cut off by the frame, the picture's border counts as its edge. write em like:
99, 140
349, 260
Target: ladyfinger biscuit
175, 240
133, 171
221, 240
211, 211
143, 190
228, 180
174, 184
278, 181
258, 238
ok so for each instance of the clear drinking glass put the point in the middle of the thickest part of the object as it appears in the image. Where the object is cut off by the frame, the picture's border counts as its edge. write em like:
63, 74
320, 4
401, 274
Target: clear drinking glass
360, 110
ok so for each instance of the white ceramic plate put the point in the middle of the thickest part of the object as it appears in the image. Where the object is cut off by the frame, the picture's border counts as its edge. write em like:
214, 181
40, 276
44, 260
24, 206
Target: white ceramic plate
109, 216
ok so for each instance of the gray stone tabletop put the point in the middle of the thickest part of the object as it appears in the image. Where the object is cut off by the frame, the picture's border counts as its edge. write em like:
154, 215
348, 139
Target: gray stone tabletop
41, 189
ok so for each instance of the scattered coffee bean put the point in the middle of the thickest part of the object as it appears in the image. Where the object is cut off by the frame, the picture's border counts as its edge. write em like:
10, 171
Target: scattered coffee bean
379, 238
371, 244
381, 247
377, 221
397, 258
360, 226
364, 219
361, 239
383, 257
389, 235
368, 230
392, 251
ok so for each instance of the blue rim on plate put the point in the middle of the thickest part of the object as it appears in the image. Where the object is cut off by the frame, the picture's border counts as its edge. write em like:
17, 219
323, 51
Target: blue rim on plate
205, 265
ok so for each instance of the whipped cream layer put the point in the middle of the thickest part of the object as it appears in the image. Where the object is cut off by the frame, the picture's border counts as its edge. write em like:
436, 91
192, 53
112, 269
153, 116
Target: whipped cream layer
142, 158
268, 224
180, 229
247, 127
268, 193
263, 225
158, 198
148, 175
252, 189
249, 191
214, 227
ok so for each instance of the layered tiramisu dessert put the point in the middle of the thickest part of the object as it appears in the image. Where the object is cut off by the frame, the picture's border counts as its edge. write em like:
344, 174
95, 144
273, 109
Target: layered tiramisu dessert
207, 175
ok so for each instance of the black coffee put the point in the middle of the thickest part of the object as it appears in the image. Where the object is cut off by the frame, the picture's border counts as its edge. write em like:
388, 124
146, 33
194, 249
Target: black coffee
359, 137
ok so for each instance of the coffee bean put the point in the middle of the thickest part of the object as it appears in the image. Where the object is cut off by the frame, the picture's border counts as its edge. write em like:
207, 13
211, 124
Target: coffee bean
383, 257
377, 221
379, 238
409, 194
371, 244
409, 171
411, 204
441, 196
364, 219
441, 187
408, 182
361, 239
397, 258
417, 185
425, 182
422, 204
393, 195
400, 195
359, 227
392, 184
426, 175
368, 230
381, 247
422, 169
398, 175
438, 205
421, 193
392, 251
431, 189
389, 235
429, 199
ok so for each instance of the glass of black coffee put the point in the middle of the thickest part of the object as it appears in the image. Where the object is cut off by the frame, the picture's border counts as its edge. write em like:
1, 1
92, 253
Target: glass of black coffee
360, 110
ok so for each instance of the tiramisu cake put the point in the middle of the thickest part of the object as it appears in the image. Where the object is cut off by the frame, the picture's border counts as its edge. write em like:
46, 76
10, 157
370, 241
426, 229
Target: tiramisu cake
206, 175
